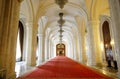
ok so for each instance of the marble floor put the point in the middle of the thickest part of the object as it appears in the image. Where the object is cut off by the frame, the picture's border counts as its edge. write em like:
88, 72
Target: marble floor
22, 68
109, 71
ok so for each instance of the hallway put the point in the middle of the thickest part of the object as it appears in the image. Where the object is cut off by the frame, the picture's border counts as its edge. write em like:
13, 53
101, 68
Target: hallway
34, 31
64, 67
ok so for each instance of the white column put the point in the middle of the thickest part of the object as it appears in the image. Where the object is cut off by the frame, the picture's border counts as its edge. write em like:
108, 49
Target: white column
53, 54
52, 49
90, 41
43, 47
81, 48
115, 16
96, 38
49, 48
46, 49
74, 49
27, 49
26, 43
40, 48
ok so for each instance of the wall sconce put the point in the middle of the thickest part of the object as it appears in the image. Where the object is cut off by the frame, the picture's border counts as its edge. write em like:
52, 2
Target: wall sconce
106, 45
112, 42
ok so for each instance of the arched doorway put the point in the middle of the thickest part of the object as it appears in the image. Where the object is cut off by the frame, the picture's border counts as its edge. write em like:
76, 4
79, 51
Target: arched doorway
107, 43
19, 48
60, 49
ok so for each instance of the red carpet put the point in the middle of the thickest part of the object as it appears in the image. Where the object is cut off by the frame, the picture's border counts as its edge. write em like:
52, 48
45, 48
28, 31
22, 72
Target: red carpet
62, 67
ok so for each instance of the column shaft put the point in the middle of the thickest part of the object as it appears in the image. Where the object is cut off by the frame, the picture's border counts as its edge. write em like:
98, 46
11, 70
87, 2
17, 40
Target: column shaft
9, 12
40, 48
96, 34
90, 43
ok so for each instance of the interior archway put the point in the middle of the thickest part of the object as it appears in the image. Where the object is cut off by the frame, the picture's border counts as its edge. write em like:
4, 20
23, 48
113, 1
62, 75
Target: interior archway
107, 44
20, 37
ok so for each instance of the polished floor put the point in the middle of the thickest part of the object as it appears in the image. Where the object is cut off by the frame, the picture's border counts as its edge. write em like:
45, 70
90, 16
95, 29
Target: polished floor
21, 68
110, 71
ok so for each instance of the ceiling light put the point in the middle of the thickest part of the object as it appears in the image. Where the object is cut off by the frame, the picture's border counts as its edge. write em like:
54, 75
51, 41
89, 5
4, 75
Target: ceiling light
61, 3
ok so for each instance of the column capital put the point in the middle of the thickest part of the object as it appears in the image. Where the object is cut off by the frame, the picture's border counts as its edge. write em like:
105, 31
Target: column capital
29, 23
40, 35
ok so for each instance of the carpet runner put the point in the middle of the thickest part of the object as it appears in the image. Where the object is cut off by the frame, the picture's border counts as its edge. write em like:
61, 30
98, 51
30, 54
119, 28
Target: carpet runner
62, 67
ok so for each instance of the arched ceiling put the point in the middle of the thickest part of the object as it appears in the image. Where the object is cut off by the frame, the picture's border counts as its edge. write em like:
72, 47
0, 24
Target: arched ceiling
51, 10
87, 9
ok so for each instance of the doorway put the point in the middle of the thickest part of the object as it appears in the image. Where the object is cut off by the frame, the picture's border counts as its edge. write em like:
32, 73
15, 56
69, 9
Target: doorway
107, 44
19, 48
60, 49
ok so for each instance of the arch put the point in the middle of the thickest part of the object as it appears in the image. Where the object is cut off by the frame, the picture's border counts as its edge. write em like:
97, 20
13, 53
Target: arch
21, 32
22, 20
29, 13
107, 44
20, 38
81, 9
106, 35
95, 9
104, 18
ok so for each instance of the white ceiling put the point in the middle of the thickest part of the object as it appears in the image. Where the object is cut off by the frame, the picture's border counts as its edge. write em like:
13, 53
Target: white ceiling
35, 9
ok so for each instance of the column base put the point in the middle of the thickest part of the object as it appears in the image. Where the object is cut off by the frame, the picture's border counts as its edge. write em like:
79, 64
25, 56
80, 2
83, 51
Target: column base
91, 63
11, 76
99, 64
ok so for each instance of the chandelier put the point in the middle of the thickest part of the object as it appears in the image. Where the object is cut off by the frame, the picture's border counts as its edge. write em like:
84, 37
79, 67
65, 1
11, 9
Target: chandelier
61, 3
61, 22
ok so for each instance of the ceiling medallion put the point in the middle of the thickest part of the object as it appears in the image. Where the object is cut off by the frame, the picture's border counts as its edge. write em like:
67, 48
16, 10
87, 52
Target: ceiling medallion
61, 3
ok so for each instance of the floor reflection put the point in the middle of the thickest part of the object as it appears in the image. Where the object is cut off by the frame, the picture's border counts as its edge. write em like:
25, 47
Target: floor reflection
110, 71
22, 68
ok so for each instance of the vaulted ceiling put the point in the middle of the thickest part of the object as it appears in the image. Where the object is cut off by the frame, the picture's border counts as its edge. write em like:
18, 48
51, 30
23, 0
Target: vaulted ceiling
76, 14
